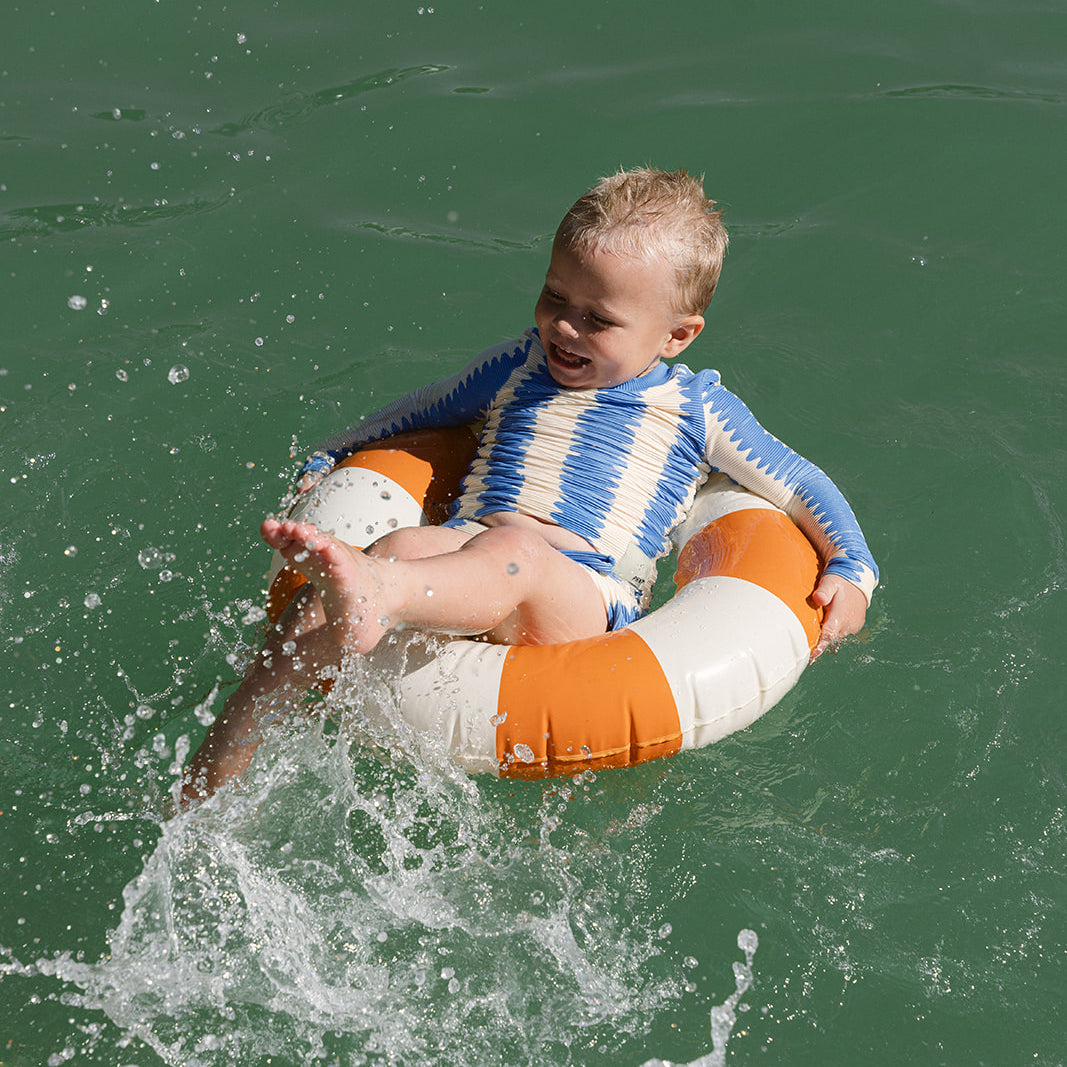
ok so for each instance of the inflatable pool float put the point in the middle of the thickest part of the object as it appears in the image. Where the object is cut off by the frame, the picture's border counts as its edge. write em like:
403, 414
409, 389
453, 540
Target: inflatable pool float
728, 645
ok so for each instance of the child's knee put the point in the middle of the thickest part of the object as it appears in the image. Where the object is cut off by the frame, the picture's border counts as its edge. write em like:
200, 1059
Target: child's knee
415, 542
517, 545
400, 544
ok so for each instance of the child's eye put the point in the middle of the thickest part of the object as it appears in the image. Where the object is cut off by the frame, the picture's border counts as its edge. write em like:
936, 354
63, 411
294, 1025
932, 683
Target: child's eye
599, 320
551, 295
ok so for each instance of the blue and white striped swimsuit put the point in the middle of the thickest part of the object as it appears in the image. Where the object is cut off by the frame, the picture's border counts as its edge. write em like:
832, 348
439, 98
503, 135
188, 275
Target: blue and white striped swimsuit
618, 466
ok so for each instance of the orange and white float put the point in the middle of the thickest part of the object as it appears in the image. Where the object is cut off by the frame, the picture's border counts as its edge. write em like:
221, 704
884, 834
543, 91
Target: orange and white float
729, 644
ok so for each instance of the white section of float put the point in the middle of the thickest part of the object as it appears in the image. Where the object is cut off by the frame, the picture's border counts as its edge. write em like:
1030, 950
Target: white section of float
356, 505
717, 497
730, 651
452, 695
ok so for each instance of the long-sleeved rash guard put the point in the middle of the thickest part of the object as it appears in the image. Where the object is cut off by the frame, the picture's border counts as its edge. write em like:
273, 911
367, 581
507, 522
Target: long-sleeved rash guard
618, 466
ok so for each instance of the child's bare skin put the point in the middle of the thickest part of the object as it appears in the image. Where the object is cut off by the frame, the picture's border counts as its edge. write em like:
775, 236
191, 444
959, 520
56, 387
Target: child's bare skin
297, 653
845, 609
508, 583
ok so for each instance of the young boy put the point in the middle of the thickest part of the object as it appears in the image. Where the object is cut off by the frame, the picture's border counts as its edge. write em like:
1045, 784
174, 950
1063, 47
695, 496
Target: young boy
591, 451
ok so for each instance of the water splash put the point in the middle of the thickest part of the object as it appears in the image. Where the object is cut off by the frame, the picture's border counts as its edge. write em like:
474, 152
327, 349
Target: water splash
724, 1016
358, 898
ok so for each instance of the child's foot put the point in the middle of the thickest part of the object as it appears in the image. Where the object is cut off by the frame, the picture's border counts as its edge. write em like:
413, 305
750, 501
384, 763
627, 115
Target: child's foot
345, 579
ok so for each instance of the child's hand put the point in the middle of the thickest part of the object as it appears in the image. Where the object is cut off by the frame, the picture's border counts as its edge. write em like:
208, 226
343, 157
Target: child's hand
845, 608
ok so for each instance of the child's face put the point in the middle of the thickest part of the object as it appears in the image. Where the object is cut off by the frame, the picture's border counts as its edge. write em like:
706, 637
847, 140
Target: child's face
605, 319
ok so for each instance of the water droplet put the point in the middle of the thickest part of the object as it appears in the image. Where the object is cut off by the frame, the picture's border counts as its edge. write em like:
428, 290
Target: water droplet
747, 941
301, 556
513, 568
150, 558
370, 529
429, 591
664, 930
178, 373
499, 719
259, 342
70, 550
92, 601
77, 303
165, 575
145, 712
690, 962
386, 495
524, 753
255, 614
289, 648
122, 375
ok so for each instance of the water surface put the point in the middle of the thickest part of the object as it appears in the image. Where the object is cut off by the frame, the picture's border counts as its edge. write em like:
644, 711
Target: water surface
312, 211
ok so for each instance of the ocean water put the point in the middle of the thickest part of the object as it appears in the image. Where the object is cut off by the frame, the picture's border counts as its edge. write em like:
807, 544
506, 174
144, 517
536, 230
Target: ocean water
229, 229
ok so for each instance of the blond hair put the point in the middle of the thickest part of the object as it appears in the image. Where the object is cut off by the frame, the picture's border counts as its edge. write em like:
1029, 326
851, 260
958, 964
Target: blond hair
653, 214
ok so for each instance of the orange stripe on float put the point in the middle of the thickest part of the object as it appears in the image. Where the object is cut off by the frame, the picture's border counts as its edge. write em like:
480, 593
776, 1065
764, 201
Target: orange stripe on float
282, 590
429, 464
600, 702
763, 547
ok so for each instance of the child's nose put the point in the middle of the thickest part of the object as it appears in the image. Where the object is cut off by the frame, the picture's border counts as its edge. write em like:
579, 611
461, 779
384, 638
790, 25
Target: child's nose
565, 325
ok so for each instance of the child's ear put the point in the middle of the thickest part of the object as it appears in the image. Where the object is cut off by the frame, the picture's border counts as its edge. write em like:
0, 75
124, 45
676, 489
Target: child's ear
683, 334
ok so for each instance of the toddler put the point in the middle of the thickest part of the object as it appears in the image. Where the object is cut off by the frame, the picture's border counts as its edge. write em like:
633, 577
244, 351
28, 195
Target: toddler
591, 449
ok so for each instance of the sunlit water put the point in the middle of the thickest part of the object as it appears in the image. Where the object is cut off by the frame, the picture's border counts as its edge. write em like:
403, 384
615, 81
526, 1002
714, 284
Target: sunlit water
228, 230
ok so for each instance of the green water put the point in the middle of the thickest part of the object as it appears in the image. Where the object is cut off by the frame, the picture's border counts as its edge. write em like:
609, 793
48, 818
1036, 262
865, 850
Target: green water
315, 207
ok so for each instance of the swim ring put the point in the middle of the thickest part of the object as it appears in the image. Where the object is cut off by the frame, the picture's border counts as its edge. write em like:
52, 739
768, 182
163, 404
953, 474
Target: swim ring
728, 645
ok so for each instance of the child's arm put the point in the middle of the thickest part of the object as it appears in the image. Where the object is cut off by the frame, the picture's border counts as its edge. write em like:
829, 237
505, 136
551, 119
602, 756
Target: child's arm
740, 447
454, 401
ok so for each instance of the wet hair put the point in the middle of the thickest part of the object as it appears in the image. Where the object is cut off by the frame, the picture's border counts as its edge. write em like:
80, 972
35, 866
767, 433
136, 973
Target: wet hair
653, 214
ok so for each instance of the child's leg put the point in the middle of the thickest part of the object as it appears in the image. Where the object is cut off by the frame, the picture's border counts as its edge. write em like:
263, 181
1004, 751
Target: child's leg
293, 657
296, 651
507, 582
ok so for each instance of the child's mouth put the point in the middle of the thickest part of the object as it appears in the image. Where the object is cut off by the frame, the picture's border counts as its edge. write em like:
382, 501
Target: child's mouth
568, 359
